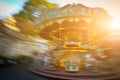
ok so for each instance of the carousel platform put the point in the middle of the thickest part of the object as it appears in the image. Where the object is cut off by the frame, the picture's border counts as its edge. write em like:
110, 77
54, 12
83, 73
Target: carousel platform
74, 75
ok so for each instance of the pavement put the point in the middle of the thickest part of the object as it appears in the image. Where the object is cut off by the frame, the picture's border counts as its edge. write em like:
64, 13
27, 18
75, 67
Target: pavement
19, 72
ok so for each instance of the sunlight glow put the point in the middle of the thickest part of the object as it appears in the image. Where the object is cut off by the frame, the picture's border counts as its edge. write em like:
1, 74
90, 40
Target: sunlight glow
116, 24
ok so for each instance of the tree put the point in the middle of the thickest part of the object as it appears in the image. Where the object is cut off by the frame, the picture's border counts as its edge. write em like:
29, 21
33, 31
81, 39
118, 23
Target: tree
32, 9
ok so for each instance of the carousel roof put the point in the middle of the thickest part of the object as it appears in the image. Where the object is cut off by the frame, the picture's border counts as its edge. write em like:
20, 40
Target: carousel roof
72, 19
74, 10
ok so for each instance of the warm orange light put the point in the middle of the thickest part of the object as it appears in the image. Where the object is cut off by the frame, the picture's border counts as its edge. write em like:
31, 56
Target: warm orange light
116, 24
12, 27
11, 23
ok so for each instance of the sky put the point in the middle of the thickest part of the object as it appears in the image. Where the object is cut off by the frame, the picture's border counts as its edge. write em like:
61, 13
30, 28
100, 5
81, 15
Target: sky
8, 7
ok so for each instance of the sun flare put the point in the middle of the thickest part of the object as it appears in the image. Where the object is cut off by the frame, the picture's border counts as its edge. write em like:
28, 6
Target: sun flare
116, 24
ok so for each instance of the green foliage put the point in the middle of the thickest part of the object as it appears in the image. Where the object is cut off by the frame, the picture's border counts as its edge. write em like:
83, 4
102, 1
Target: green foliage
33, 6
35, 53
22, 58
26, 18
4, 58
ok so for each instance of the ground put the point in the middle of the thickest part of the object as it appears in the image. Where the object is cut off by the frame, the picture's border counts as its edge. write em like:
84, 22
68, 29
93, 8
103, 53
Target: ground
19, 72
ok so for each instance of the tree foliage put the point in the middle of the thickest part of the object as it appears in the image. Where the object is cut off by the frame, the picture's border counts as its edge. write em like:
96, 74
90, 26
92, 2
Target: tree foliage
33, 6
31, 10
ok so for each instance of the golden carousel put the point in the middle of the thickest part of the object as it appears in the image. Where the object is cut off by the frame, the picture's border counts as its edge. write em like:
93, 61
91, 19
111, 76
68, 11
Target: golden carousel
75, 33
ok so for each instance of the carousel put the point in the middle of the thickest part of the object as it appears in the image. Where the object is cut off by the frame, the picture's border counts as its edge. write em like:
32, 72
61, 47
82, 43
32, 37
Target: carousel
75, 33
